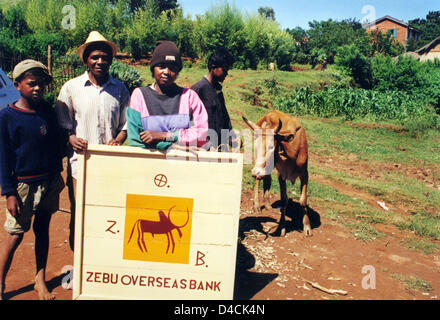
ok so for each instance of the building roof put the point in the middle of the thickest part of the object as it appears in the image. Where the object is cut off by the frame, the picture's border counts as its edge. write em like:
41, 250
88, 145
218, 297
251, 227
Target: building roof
411, 54
429, 46
402, 23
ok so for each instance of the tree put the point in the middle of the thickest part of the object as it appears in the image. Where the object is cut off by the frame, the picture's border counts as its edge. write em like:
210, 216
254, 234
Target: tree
430, 28
353, 62
267, 12
385, 44
164, 5
298, 34
13, 19
330, 35
160, 5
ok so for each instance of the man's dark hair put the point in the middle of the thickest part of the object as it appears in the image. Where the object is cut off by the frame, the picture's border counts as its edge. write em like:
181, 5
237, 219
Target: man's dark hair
97, 46
220, 58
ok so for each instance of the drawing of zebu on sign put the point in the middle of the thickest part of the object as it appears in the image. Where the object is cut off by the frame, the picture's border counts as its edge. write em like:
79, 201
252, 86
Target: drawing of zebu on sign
280, 143
163, 226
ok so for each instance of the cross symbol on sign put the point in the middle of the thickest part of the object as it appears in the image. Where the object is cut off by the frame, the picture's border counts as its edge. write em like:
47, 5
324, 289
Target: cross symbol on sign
160, 180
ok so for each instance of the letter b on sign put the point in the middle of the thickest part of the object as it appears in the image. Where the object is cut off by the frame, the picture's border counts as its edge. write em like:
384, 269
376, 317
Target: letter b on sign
369, 281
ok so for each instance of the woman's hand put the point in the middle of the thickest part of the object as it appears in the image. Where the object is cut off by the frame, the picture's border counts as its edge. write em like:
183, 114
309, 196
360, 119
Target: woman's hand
78, 144
150, 137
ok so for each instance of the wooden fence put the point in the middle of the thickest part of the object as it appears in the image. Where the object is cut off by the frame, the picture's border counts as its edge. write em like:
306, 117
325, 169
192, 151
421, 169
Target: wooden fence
60, 68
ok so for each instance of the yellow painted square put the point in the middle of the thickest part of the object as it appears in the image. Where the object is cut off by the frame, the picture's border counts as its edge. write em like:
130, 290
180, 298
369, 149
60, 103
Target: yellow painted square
158, 229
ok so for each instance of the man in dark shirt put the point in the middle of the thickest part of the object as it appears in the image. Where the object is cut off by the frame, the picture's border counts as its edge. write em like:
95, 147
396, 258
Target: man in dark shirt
210, 92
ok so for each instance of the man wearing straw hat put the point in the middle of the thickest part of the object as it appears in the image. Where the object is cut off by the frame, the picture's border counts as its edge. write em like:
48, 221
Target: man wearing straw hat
91, 107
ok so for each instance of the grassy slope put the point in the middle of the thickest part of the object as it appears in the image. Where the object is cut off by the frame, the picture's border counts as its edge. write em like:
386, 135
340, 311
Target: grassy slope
247, 93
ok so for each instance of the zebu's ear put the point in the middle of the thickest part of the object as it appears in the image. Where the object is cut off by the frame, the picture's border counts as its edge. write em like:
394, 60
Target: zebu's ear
250, 124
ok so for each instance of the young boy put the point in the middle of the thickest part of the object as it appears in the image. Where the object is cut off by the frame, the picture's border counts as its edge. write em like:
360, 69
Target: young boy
210, 92
30, 166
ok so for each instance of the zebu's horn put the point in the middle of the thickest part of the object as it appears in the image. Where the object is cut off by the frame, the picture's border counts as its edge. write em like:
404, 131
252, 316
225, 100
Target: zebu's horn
280, 125
250, 124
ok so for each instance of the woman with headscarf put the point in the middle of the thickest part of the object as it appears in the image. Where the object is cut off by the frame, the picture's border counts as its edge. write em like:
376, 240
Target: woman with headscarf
164, 113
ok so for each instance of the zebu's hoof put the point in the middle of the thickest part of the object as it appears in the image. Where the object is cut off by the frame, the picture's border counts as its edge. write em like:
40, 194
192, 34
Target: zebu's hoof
308, 231
279, 232
283, 232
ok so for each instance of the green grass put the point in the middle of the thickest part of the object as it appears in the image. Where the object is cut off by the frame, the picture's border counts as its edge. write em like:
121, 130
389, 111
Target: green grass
364, 232
421, 245
413, 283
378, 144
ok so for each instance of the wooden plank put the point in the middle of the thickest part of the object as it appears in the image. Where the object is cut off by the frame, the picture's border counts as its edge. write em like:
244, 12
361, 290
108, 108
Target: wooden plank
166, 216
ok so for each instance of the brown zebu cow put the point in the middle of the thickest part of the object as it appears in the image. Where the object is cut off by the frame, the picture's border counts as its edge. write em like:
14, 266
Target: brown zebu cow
280, 143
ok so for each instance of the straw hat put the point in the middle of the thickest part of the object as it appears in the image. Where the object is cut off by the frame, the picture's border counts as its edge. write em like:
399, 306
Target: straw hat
95, 37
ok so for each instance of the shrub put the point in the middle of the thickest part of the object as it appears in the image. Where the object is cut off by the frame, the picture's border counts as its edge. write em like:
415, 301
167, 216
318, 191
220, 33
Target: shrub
36, 44
221, 26
142, 33
171, 25
265, 43
352, 62
403, 73
127, 74
13, 21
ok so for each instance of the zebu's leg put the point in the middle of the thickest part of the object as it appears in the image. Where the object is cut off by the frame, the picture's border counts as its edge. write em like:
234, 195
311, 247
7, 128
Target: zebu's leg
267, 182
303, 202
256, 198
284, 203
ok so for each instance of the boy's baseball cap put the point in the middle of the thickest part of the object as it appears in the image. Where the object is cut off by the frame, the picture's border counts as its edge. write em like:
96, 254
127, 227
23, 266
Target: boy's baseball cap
27, 65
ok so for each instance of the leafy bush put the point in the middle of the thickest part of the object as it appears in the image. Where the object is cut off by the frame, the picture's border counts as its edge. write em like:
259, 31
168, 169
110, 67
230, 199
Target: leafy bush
411, 76
37, 44
171, 25
404, 73
127, 74
265, 43
221, 26
142, 33
355, 64
14, 22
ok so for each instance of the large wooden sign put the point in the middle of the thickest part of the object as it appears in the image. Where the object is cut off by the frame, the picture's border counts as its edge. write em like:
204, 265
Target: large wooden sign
156, 226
